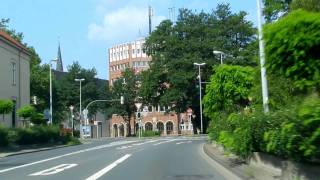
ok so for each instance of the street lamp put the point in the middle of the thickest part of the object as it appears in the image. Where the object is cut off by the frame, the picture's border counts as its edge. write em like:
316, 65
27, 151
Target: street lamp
264, 83
221, 55
199, 67
80, 109
50, 76
71, 111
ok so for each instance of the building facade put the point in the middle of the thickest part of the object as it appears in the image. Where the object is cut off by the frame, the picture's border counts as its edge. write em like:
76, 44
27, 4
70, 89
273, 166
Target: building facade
127, 55
14, 76
160, 119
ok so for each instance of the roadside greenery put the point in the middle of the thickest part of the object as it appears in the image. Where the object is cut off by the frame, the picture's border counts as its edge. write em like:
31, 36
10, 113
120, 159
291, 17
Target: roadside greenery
35, 135
291, 129
6, 107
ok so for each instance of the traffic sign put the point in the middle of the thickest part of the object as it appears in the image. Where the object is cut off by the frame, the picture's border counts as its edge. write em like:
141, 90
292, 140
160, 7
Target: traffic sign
85, 113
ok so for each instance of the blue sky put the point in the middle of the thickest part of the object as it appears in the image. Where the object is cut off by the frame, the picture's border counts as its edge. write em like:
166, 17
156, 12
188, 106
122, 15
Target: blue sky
87, 28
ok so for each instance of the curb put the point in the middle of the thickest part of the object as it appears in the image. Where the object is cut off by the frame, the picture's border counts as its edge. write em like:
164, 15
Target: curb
2, 155
223, 166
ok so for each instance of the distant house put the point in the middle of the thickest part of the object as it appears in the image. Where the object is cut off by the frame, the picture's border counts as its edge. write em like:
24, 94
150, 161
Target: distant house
14, 76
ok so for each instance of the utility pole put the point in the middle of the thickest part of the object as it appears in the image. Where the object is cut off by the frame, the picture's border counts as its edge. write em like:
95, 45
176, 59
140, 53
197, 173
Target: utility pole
50, 79
150, 19
264, 82
200, 91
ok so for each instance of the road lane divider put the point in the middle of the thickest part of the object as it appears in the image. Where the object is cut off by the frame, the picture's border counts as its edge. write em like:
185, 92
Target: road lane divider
108, 168
54, 170
184, 142
164, 142
64, 155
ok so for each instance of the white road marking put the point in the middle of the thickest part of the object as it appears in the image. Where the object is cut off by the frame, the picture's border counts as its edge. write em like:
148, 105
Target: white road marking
108, 168
164, 142
124, 147
138, 144
184, 142
53, 170
64, 155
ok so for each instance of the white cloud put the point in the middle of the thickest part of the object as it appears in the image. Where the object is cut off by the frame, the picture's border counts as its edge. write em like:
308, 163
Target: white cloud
122, 25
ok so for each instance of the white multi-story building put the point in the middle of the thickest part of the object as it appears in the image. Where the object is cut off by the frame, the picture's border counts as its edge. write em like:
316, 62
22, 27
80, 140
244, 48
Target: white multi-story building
127, 55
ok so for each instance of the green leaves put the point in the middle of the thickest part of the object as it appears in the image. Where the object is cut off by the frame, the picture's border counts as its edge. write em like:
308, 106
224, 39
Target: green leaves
5, 107
229, 89
295, 57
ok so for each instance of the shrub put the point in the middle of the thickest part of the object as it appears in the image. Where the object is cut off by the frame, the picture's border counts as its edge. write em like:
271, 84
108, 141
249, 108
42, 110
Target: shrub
228, 90
150, 133
26, 111
5, 107
4, 136
298, 136
292, 48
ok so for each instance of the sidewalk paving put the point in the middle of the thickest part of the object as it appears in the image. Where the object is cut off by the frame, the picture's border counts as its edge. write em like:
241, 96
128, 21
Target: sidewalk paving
236, 165
16, 150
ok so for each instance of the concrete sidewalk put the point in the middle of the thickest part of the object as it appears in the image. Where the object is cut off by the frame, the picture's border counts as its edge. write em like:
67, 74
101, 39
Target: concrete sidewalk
28, 149
236, 165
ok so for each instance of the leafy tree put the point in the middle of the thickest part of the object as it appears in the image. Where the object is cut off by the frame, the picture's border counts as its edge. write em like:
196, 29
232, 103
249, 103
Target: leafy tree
308, 5
295, 57
5, 107
66, 91
275, 8
129, 91
172, 77
26, 111
228, 90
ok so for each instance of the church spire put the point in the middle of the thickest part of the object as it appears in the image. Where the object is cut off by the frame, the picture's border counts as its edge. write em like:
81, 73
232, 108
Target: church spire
59, 66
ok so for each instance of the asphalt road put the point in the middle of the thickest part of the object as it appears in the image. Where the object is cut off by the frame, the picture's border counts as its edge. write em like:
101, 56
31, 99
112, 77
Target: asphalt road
170, 158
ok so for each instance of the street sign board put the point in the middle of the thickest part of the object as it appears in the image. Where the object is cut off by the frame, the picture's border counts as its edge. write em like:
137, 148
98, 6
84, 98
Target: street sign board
46, 114
85, 114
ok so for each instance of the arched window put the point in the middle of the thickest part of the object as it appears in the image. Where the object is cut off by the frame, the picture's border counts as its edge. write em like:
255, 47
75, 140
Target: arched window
169, 127
148, 126
160, 127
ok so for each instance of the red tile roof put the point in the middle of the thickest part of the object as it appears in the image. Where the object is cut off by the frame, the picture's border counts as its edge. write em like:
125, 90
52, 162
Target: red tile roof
14, 42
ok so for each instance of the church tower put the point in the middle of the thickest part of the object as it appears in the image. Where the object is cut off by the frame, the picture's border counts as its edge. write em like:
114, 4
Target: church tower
59, 66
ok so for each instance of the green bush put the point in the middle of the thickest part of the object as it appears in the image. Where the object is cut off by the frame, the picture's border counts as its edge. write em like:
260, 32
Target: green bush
228, 90
4, 141
298, 136
292, 48
5, 107
150, 133
39, 135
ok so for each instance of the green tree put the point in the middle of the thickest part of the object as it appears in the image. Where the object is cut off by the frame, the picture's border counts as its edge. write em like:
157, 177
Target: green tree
172, 77
229, 89
26, 112
295, 57
5, 107
126, 86
66, 91
275, 9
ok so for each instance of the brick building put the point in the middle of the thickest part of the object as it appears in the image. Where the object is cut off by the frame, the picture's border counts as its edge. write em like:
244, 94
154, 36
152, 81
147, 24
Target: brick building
131, 55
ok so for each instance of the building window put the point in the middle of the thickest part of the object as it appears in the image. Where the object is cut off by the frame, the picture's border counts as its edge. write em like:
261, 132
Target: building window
138, 51
13, 66
148, 126
132, 51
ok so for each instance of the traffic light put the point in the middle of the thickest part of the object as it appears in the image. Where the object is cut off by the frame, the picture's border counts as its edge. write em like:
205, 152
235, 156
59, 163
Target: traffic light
122, 100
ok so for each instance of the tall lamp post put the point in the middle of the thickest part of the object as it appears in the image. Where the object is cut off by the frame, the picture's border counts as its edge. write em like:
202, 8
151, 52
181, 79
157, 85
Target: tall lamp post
80, 108
264, 82
199, 67
50, 76
71, 111
221, 55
